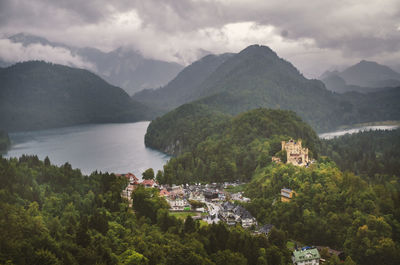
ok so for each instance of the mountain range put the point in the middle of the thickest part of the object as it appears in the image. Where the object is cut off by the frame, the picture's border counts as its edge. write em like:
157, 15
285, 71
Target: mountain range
257, 77
183, 87
121, 67
363, 77
37, 95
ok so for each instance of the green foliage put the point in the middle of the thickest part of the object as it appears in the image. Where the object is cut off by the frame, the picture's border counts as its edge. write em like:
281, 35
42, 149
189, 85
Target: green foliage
183, 128
131, 257
367, 153
256, 77
37, 95
224, 149
189, 226
331, 208
148, 174
55, 215
196, 204
282, 155
146, 202
228, 257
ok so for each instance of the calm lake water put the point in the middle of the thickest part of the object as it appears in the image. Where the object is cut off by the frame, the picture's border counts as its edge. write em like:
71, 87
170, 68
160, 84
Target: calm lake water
331, 135
117, 148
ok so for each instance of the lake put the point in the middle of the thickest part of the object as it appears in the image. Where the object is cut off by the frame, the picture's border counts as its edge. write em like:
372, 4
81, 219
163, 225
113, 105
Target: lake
331, 135
116, 148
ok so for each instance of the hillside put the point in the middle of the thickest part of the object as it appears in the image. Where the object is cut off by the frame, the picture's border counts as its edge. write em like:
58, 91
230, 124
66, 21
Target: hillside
363, 77
56, 215
37, 95
369, 153
257, 77
211, 147
182, 89
374, 106
370, 74
183, 128
121, 67
346, 212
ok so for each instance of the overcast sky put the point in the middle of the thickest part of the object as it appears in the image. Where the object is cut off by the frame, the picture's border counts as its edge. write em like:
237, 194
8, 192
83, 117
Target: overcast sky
314, 35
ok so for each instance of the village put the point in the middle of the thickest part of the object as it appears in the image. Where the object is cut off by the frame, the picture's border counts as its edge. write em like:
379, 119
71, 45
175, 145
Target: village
215, 202
211, 203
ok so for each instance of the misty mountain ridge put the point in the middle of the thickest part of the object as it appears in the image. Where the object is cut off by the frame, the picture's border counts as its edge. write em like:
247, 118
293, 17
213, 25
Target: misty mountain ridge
38, 95
183, 88
257, 77
121, 67
365, 76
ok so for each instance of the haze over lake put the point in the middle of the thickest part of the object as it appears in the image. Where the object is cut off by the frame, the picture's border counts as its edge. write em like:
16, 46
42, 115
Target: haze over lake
117, 148
330, 135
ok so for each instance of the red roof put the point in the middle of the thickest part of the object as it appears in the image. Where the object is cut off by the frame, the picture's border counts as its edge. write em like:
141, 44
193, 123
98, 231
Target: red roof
148, 182
129, 175
164, 192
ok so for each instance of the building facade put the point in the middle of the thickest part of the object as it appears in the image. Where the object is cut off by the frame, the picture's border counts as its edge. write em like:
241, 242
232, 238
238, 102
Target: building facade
295, 153
309, 256
286, 195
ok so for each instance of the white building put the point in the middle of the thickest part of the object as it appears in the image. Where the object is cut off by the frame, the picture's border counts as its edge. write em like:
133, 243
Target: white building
308, 256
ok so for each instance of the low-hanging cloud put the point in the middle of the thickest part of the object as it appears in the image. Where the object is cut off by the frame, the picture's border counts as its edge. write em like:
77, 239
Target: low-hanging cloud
329, 32
16, 52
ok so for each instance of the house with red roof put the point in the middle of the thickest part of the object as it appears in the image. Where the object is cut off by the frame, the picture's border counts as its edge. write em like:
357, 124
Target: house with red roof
133, 180
149, 183
164, 193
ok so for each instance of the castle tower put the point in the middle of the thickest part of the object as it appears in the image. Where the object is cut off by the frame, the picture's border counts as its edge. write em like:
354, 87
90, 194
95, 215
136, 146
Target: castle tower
295, 153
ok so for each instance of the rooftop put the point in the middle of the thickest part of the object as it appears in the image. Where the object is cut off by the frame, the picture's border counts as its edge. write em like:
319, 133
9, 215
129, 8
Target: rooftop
304, 255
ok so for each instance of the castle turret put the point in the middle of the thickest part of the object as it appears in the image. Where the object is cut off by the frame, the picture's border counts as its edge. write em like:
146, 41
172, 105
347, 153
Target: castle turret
296, 154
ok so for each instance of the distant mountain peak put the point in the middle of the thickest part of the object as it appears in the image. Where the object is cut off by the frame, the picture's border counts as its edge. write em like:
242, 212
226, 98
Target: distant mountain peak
124, 66
328, 74
363, 76
27, 39
258, 49
370, 64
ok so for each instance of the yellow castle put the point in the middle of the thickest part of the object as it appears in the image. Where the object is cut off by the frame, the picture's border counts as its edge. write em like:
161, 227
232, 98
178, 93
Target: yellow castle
295, 154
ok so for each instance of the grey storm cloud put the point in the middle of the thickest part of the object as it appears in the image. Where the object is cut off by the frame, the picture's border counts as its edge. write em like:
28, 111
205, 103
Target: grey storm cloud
324, 32
362, 27
16, 52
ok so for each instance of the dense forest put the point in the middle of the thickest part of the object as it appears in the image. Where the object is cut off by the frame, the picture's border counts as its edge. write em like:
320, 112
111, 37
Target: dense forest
4, 141
37, 95
331, 208
184, 85
223, 148
184, 128
56, 215
357, 214
257, 77
366, 153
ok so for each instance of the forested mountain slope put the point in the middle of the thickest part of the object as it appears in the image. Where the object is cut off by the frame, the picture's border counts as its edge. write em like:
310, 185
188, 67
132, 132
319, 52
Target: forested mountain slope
37, 95
257, 77
182, 89
223, 148
56, 215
